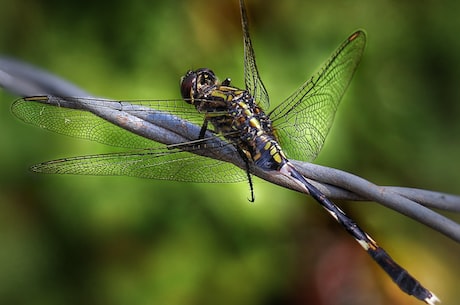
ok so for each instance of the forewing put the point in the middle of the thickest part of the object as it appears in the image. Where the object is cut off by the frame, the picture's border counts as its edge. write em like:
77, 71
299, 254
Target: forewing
81, 123
252, 80
303, 120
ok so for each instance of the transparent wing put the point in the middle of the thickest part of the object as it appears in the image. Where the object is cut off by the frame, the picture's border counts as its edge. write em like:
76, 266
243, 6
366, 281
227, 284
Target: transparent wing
252, 80
155, 162
303, 120
84, 124
163, 164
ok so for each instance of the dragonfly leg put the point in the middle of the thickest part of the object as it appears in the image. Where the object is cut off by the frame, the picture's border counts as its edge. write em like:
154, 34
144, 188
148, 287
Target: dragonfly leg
248, 172
398, 274
203, 129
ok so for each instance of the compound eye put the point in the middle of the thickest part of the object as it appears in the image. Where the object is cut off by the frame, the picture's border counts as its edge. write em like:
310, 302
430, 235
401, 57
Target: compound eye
188, 86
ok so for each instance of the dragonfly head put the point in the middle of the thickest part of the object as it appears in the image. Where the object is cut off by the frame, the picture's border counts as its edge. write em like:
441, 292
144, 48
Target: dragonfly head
195, 84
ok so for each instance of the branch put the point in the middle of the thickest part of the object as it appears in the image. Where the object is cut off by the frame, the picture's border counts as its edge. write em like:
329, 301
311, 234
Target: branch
163, 127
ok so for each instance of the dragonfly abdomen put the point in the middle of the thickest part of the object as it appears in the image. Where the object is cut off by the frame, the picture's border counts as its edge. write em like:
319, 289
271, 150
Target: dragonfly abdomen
268, 153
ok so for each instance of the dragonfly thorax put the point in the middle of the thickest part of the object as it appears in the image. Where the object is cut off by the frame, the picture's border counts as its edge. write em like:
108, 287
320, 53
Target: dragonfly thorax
235, 115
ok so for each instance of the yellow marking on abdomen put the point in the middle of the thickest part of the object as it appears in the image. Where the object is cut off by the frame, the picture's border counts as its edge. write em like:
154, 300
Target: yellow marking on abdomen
267, 146
254, 123
277, 158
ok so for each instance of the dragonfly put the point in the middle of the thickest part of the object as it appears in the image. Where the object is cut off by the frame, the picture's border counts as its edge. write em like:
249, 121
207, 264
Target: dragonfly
212, 121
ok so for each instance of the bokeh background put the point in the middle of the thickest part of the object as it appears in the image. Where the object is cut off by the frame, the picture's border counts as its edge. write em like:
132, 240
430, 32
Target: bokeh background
120, 240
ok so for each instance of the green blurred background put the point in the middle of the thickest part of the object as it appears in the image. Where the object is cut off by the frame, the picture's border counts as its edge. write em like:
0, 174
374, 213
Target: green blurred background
119, 240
